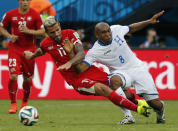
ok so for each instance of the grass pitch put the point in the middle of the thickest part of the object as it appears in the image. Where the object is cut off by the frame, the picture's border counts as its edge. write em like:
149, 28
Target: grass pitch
85, 115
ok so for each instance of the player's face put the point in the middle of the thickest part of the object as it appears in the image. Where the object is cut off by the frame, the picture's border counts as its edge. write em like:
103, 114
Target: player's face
55, 32
104, 34
24, 4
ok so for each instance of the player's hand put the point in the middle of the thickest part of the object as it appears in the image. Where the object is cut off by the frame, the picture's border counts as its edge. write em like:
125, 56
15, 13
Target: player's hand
154, 19
28, 55
24, 29
66, 66
68, 45
13, 38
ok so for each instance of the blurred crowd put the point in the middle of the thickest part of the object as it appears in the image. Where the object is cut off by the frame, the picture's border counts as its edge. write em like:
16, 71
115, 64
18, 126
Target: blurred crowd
152, 40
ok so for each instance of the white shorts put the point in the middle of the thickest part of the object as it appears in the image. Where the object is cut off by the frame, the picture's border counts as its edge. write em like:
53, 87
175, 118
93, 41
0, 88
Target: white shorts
140, 79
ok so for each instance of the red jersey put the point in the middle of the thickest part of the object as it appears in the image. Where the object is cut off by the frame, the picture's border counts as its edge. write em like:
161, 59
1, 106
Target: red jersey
14, 20
60, 57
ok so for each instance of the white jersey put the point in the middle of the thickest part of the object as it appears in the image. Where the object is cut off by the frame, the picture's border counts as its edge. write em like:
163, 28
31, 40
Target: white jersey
116, 55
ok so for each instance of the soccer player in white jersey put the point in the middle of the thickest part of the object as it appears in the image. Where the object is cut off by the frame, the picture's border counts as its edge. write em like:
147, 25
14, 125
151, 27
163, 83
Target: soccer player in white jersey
112, 50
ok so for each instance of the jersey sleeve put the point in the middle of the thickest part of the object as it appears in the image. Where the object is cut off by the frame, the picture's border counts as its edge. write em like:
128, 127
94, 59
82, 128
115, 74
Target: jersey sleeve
39, 23
74, 35
89, 58
123, 30
5, 20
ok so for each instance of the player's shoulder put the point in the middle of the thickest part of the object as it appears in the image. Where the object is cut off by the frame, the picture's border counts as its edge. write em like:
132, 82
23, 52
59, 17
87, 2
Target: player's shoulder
13, 11
46, 42
118, 27
94, 49
115, 27
68, 31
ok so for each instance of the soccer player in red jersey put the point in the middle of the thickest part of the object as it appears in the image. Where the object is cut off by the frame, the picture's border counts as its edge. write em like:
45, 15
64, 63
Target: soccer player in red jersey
25, 23
92, 81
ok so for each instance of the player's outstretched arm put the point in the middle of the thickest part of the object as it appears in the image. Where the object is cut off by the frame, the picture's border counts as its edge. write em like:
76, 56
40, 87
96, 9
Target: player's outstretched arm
138, 26
30, 55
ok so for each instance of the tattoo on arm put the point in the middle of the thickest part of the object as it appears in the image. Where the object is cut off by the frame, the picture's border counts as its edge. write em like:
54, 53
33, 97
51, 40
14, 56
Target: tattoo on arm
75, 59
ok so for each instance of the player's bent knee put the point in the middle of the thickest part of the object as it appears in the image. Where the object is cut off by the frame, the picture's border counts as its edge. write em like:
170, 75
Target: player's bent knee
102, 89
13, 76
116, 82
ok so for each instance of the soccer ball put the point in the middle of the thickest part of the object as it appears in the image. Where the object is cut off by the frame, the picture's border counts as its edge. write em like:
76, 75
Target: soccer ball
28, 115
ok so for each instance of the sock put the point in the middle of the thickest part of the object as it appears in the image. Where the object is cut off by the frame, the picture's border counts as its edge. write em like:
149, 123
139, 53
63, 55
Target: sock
121, 101
12, 88
126, 112
27, 89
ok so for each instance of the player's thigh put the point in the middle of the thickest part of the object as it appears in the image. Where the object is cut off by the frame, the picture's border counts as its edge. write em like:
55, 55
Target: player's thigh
144, 85
28, 67
85, 86
88, 86
14, 62
126, 79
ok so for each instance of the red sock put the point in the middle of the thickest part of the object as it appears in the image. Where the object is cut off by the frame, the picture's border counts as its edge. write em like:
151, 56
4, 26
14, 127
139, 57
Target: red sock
12, 88
27, 88
133, 98
122, 102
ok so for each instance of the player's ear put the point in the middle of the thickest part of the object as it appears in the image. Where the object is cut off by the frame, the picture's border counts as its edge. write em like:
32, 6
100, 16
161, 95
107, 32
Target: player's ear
96, 34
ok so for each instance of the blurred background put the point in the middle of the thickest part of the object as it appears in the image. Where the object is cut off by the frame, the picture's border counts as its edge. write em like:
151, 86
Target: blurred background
82, 15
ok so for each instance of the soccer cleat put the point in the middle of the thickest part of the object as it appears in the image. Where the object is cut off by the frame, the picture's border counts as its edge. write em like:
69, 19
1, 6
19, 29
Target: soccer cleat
127, 120
13, 108
143, 110
142, 102
23, 104
160, 115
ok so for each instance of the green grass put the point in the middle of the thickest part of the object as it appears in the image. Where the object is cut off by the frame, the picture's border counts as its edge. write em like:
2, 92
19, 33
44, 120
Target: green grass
85, 115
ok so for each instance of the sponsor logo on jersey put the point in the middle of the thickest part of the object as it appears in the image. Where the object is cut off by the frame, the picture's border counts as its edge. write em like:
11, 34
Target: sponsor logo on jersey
107, 52
23, 18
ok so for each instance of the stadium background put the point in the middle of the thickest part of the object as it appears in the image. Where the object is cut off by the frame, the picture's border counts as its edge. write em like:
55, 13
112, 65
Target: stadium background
84, 14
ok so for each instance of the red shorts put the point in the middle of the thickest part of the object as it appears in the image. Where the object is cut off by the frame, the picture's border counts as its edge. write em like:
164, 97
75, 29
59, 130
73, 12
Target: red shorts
85, 83
18, 64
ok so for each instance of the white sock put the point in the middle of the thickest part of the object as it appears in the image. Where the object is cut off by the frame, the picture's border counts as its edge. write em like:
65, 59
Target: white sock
126, 112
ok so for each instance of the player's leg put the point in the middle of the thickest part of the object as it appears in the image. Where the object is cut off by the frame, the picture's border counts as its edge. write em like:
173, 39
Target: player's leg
92, 87
12, 89
157, 105
27, 84
116, 81
28, 71
145, 86
14, 69
121, 79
